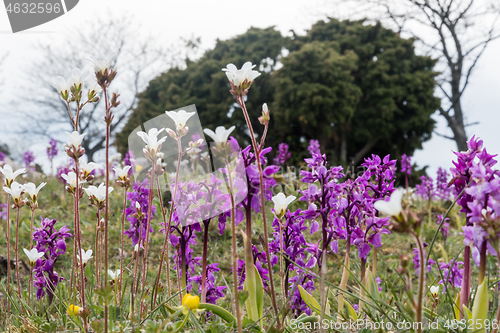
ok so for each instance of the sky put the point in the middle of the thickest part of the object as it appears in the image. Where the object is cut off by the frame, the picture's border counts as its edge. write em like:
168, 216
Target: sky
222, 19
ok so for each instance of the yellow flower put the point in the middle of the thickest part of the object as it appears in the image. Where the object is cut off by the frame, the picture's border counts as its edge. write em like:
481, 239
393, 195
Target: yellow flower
190, 302
74, 310
138, 168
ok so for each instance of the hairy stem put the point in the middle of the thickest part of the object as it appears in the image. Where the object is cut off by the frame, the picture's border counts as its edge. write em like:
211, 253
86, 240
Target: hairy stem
148, 226
122, 242
256, 149
15, 250
106, 212
235, 255
204, 265
167, 228
421, 284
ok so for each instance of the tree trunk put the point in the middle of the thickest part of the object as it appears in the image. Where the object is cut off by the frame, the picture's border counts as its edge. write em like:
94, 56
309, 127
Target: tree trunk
360, 154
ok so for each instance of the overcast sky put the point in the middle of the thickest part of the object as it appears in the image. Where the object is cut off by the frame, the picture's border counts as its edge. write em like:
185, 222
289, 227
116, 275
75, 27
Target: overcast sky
224, 19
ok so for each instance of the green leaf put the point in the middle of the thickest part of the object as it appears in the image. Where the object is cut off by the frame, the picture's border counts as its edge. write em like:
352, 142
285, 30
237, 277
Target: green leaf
350, 312
467, 313
217, 310
371, 286
309, 300
251, 280
480, 307
259, 293
456, 307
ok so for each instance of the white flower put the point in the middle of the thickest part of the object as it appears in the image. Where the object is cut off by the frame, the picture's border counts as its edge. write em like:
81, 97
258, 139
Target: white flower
93, 86
151, 140
114, 275
9, 174
33, 256
32, 190
75, 139
265, 108
86, 256
180, 118
87, 168
78, 76
15, 190
61, 85
137, 205
136, 247
221, 134
244, 75
70, 179
281, 204
391, 207
99, 193
102, 64
122, 173
434, 291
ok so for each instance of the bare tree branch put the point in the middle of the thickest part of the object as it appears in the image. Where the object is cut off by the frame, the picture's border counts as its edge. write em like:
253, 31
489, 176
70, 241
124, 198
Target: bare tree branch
138, 59
457, 32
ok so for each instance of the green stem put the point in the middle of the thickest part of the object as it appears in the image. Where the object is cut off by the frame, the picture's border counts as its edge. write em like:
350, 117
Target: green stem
421, 283
345, 277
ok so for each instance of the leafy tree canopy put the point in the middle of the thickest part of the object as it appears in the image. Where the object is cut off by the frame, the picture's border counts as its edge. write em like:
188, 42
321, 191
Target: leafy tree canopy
357, 88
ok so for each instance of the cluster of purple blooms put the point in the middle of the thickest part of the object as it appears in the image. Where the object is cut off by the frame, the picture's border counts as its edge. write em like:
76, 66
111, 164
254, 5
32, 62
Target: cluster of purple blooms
3, 211
295, 249
480, 201
452, 273
52, 243
314, 147
129, 160
65, 169
213, 292
427, 190
52, 149
29, 159
416, 259
283, 154
260, 262
406, 164
2, 157
138, 195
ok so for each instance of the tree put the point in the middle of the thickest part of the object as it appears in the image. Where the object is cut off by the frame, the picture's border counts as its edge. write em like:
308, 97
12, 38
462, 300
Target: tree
326, 85
203, 83
456, 32
138, 59
357, 88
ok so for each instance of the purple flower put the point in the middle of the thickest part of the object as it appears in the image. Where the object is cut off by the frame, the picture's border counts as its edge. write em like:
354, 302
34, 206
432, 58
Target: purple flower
260, 262
52, 243
445, 227
129, 160
443, 191
65, 169
314, 147
452, 274
139, 195
252, 200
2, 156
426, 189
283, 154
213, 292
3, 211
406, 164
416, 259
52, 149
29, 159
